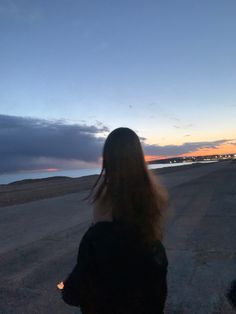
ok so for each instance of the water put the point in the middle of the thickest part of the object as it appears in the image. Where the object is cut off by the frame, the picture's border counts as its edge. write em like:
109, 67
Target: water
11, 177
75, 173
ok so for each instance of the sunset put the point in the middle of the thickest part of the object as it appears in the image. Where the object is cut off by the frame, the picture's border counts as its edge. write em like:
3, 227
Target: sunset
70, 78
221, 149
117, 156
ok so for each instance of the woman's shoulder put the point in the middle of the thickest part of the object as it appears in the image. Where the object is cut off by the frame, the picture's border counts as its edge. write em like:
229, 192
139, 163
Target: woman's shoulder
114, 236
106, 238
107, 231
103, 226
110, 228
97, 228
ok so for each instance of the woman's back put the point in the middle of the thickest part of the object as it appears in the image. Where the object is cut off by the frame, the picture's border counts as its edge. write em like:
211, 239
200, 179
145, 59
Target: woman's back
118, 270
125, 276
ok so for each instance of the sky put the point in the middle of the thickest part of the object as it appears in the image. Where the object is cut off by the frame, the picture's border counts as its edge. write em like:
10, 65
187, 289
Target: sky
72, 71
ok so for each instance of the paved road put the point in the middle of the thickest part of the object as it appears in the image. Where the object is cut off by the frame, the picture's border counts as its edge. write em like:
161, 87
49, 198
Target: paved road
25, 223
201, 242
39, 241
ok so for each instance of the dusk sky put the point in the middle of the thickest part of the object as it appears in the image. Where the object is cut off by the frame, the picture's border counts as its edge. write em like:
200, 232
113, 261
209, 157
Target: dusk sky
72, 71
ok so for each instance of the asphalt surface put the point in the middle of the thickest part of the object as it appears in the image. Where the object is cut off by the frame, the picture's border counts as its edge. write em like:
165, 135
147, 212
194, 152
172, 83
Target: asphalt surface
39, 242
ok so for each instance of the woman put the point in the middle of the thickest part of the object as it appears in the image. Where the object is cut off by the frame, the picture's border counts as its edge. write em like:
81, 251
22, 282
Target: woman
122, 265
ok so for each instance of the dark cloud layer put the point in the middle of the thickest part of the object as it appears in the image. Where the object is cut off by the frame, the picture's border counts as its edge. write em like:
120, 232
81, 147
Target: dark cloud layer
174, 150
30, 143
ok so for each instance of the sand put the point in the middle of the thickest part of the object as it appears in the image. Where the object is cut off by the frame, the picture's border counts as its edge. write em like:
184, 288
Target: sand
42, 222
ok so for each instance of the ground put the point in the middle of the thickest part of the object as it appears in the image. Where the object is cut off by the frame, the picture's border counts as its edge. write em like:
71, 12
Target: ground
39, 240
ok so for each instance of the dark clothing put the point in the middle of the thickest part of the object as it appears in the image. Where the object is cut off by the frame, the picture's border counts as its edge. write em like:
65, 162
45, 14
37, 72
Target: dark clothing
116, 274
231, 293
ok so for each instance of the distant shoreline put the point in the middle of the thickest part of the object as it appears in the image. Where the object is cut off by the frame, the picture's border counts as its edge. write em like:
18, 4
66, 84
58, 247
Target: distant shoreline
15, 178
29, 190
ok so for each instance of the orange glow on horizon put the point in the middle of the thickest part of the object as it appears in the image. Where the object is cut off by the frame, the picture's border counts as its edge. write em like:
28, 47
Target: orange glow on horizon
51, 169
220, 150
48, 169
43, 169
153, 157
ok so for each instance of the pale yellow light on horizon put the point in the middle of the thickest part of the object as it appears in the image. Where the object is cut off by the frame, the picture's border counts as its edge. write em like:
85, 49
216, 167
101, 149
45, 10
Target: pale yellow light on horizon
178, 139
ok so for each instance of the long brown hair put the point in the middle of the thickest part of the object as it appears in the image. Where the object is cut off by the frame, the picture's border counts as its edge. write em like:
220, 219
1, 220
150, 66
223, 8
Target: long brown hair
128, 188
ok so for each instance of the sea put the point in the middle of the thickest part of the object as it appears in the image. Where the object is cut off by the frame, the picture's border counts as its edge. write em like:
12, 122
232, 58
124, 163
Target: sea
75, 173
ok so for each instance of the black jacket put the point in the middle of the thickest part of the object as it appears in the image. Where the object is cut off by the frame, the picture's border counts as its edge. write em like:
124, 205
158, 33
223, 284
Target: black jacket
115, 274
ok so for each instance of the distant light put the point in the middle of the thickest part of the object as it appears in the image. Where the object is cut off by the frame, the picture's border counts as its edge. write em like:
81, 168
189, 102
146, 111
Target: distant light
51, 169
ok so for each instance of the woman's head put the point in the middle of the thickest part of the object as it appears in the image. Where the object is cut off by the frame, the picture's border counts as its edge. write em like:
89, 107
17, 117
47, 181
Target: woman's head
125, 183
123, 159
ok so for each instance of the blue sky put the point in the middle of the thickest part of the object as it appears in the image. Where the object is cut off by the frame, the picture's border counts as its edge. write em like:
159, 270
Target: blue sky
166, 69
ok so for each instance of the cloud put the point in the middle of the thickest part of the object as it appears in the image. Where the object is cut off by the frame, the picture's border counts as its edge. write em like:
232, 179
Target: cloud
142, 138
164, 111
186, 126
175, 150
22, 12
29, 143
